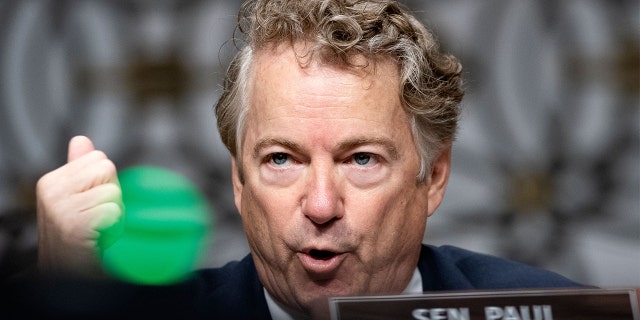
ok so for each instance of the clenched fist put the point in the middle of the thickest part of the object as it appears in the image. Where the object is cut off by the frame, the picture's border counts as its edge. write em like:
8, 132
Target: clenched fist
76, 204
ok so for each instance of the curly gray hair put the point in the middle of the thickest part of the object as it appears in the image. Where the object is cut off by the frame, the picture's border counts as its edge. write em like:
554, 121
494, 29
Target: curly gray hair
335, 31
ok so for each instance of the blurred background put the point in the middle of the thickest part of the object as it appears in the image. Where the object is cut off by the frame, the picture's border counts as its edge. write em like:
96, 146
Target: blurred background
546, 167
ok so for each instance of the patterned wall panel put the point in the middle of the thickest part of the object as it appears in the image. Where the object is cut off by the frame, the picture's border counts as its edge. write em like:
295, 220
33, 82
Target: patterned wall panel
550, 123
546, 165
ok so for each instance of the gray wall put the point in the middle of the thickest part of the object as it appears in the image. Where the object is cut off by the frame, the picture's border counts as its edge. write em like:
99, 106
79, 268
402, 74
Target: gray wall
546, 165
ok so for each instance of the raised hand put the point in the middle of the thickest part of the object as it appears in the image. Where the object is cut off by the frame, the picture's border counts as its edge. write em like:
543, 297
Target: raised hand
76, 203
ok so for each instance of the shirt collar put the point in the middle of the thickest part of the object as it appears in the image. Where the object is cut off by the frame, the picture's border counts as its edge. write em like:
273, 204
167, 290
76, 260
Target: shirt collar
279, 312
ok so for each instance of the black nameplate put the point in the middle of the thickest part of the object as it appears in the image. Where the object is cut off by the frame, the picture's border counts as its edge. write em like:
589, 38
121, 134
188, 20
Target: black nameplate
554, 304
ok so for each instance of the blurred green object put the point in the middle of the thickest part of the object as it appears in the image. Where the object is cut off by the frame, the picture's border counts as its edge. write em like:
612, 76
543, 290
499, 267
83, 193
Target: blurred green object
166, 225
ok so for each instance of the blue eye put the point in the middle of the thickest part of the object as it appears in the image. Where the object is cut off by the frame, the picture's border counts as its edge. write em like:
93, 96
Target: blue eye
279, 158
361, 158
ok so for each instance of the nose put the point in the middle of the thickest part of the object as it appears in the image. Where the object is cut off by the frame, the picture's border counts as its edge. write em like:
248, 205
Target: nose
322, 202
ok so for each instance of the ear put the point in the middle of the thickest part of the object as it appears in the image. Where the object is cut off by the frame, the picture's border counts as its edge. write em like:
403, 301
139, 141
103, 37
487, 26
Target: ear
438, 178
237, 185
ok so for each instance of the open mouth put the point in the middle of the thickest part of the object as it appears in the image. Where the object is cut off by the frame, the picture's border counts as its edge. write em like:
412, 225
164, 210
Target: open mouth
321, 264
321, 254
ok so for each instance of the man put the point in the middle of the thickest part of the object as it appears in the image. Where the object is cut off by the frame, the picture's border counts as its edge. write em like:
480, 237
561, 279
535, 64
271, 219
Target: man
339, 117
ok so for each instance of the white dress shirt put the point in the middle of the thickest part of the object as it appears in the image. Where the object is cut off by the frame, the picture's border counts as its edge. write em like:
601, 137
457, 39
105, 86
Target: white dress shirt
279, 312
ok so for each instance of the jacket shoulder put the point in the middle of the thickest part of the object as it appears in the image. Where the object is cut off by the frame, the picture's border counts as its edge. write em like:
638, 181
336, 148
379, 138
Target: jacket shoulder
459, 269
233, 290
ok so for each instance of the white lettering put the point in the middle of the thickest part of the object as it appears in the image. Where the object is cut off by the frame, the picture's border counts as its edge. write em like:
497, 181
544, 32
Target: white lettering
438, 314
511, 313
543, 312
524, 313
493, 313
537, 312
458, 314
548, 315
441, 314
420, 314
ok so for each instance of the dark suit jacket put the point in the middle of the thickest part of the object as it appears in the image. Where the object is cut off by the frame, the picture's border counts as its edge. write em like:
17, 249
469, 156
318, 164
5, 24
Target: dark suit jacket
234, 291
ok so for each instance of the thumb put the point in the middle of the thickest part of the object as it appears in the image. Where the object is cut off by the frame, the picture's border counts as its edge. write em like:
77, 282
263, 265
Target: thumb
79, 146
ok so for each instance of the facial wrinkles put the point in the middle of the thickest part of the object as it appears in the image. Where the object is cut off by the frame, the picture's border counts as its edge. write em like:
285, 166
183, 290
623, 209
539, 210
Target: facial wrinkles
323, 183
389, 207
278, 268
321, 119
335, 233
325, 92
265, 242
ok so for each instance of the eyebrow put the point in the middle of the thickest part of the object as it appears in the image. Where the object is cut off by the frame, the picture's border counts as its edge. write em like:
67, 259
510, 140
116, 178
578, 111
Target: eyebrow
387, 144
353, 143
267, 142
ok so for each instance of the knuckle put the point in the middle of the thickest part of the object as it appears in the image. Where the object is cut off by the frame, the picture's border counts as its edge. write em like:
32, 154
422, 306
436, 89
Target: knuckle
46, 180
99, 154
107, 214
107, 168
113, 212
45, 186
115, 191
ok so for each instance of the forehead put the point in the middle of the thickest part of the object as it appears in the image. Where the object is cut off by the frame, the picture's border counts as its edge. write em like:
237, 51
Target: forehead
284, 81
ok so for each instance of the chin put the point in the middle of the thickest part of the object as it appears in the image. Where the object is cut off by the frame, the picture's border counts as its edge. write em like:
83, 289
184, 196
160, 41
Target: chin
316, 304
320, 291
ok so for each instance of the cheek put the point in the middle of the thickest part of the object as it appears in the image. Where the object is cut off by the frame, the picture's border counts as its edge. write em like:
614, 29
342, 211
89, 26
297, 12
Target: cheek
264, 218
255, 218
394, 220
